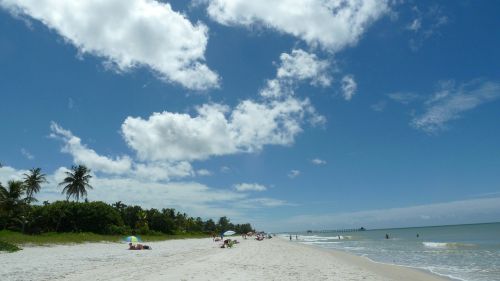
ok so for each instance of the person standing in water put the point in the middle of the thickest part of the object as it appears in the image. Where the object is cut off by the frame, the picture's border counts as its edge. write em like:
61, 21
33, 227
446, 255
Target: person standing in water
290, 237
386, 236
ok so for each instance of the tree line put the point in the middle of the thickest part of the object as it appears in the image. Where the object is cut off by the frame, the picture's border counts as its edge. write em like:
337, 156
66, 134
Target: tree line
18, 213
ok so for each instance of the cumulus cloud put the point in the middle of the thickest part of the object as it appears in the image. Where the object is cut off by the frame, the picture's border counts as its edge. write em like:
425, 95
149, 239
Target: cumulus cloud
301, 65
331, 24
317, 161
241, 187
10, 174
152, 170
349, 87
84, 155
158, 171
128, 34
296, 67
293, 174
450, 102
216, 130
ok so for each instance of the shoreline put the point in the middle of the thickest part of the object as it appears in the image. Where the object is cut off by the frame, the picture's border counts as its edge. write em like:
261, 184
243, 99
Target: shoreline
387, 270
373, 264
200, 259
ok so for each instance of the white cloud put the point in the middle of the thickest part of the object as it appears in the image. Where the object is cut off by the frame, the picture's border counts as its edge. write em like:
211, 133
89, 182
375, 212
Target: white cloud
216, 130
84, 155
128, 34
203, 172
403, 97
71, 103
158, 171
317, 161
332, 24
450, 102
455, 212
415, 24
296, 67
293, 174
27, 154
249, 187
193, 198
261, 202
349, 87
151, 170
225, 169
426, 23
379, 106
10, 174
300, 65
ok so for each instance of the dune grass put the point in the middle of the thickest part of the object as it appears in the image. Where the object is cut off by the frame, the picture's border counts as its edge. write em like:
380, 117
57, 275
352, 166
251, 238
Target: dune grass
17, 238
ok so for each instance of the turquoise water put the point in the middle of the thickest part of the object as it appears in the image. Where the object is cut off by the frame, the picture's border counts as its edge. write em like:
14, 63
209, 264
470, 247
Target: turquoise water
462, 252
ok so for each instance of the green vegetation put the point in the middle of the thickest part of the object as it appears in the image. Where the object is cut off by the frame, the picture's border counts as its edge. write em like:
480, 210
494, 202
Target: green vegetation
8, 247
18, 238
77, 222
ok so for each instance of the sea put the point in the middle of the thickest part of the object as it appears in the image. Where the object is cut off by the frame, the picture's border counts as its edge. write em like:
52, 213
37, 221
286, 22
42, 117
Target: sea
462, 252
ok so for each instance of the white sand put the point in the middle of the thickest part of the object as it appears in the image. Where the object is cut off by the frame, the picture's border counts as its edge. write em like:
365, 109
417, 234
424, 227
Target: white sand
197, 259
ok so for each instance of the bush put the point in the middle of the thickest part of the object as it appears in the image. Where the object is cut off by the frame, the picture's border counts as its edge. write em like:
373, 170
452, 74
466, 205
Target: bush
64, 216
8, 247
119, 230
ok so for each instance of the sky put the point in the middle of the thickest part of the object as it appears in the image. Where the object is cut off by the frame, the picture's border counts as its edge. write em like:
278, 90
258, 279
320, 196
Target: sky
290, 115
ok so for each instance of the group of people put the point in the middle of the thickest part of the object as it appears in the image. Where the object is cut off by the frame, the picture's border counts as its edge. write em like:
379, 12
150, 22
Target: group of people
132, 246
229, 243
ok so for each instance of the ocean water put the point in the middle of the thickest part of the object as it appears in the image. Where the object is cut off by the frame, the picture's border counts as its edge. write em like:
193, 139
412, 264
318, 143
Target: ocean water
462, 252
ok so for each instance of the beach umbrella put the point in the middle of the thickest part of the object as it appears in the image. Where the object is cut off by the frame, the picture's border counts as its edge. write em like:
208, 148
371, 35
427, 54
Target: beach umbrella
132, 239
229, 233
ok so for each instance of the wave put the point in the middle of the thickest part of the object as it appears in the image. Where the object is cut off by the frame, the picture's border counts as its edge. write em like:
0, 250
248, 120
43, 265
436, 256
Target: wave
319, 242
446, 245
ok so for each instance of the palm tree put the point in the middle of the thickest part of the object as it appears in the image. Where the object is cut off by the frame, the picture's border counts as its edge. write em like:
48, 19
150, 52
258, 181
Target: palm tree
10, 196
32, 182
76, 182
11, 202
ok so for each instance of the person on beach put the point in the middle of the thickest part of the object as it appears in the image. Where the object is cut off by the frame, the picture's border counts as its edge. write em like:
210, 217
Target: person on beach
290, 237
138, 247
386, 236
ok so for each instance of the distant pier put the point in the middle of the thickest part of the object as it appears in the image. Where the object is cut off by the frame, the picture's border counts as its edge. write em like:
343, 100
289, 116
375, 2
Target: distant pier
338, 230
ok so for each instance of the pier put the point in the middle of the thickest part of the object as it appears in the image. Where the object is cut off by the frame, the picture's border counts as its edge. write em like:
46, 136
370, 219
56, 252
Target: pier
338, 230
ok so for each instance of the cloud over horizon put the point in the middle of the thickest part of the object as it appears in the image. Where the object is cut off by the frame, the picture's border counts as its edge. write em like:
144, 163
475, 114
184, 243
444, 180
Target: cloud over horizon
454, 212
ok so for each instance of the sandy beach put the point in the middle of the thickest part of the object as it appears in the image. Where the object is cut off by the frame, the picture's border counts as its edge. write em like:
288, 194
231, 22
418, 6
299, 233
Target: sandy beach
197, 259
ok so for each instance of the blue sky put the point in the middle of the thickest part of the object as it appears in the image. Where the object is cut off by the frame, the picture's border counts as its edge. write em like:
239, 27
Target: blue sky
291, 114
